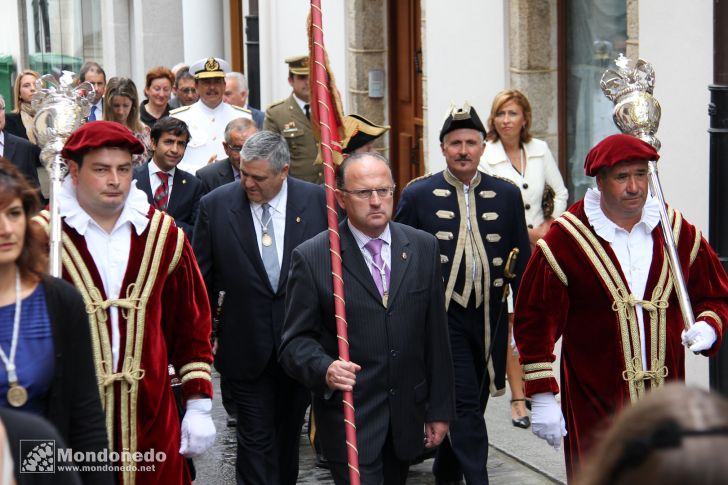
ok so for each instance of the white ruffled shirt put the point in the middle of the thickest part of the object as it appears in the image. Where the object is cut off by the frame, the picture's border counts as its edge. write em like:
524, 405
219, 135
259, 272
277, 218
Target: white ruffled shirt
110, 251
633, 249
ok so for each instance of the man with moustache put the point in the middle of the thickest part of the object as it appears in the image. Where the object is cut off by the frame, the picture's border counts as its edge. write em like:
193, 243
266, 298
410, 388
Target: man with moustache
207, 118
291, 117
146, 304
244, 236
600, 280
400, 368
478, 220
169, 188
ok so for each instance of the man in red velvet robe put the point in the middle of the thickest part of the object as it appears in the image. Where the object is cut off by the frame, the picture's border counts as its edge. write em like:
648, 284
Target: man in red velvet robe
147, 308
600, 281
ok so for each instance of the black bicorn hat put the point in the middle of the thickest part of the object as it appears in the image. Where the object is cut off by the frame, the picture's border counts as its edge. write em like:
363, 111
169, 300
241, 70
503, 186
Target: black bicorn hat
464, 117
360, 131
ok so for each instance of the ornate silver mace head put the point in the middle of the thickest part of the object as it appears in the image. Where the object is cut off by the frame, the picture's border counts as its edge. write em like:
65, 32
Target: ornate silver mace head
629, 85
61, 106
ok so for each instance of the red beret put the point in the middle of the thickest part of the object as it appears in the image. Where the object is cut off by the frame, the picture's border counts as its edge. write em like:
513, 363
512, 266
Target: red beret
100, 134
617, 148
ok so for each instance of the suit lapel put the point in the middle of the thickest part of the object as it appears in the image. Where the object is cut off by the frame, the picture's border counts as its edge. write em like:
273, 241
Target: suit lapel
179, 191
225, 173
9, 151
295, 227
401, 257
242, 226
354, 261
144, 183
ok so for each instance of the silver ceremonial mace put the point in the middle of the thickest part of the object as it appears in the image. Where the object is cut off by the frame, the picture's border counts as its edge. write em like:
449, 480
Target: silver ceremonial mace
61, 106
637, 113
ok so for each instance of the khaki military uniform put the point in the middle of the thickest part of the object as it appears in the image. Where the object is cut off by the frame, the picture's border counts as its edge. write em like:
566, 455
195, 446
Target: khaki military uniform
287, 118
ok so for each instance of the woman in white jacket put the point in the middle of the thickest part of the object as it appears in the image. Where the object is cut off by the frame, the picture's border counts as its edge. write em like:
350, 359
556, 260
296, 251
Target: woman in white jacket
512, 153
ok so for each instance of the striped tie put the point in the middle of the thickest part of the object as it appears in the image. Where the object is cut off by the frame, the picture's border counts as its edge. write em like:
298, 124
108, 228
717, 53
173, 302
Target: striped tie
161, 195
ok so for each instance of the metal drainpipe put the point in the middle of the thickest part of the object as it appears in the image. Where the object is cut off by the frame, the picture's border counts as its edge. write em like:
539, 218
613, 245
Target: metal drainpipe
718, 215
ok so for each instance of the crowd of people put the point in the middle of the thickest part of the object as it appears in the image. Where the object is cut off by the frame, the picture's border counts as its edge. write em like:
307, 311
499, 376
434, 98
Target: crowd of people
195, 235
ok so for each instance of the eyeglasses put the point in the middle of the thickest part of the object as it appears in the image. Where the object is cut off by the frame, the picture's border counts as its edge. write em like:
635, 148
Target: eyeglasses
186, 90
383, 193
235, 148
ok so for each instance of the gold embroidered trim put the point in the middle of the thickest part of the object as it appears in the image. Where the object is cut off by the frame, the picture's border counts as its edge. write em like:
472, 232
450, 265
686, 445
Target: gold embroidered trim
444, 235
441, 192
177, 250
489, 216
696, 246
498, 282
134, 314
538, 375
487, 194
197, 374
551, 260
537, 366
444, 259
497, 261
443, 214
494, 238
195, 366
624, 304
712, 315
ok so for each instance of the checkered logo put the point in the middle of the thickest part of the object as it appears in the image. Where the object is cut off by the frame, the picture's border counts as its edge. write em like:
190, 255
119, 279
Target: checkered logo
39, 456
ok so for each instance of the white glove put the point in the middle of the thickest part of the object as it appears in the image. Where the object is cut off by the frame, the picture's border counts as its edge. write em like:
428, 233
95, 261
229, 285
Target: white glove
701, 335
547, 420
198, 430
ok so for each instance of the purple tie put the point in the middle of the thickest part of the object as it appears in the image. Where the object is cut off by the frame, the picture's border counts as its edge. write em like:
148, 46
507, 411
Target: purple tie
375, 249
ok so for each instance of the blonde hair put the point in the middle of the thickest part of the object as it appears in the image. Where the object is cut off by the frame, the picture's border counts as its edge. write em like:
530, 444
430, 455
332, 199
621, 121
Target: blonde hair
502, 98
16, 88
122, 86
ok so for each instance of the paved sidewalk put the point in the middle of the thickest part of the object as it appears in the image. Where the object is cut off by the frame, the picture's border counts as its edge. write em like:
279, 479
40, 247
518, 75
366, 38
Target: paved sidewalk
516, 456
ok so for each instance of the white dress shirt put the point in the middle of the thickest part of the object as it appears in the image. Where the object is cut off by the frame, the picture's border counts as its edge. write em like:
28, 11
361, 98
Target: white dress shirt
110, 251
155, 181
633, 249
2, 143
278, 214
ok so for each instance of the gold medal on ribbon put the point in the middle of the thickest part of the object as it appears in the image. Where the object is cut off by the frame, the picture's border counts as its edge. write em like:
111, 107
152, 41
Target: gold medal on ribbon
17, 395
266, 239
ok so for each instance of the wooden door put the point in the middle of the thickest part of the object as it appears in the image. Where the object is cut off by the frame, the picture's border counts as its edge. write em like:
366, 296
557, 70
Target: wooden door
405, 80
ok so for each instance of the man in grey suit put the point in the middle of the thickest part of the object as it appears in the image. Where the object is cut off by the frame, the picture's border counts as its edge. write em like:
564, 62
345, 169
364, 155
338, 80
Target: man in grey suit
401, 366
227, 170
243, 240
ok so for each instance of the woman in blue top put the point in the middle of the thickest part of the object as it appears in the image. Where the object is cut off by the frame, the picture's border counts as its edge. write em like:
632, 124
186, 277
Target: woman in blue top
46, 365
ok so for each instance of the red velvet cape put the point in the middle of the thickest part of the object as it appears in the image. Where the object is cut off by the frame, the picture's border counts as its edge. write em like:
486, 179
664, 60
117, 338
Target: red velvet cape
581, 312
177, 328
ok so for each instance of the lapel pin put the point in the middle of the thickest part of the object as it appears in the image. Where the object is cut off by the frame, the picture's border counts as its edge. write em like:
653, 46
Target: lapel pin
298, 219
404, 255
184, 182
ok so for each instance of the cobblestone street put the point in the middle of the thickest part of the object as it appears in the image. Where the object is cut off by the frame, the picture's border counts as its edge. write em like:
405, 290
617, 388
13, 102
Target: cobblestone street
218, 465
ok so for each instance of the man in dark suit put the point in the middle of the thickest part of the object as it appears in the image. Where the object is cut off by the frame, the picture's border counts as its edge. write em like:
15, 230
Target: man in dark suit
169, 188
401, 367
478, 220
243, 240
23, 154
227, 170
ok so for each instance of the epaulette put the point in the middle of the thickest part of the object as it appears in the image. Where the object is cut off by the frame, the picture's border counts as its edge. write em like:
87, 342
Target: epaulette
505, 180
246, 110
422, 177
272, 105
180, 109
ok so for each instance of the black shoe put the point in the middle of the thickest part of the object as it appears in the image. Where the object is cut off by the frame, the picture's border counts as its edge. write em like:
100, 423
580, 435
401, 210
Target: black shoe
232, 422
522, 422
321, 461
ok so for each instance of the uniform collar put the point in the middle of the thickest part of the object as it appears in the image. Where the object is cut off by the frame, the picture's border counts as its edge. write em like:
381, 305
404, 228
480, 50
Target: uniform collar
605, 227
455, 182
